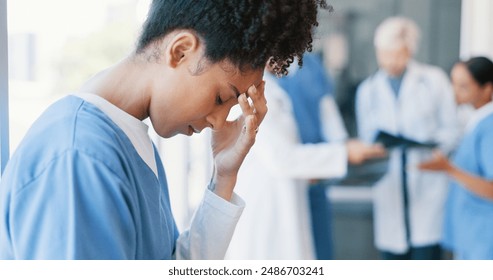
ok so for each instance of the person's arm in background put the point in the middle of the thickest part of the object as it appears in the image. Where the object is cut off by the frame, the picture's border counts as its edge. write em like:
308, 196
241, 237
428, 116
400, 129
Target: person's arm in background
365, 118
447, 135
478, 185
334, 129
279, 146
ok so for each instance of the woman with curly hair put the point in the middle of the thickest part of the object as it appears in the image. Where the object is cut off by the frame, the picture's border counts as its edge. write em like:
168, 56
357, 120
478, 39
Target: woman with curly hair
87, 182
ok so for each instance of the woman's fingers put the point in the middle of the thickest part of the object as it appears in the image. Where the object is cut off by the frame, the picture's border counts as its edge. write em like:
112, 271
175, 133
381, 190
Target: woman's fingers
251, 127
245, 106
259, 103
375, 151
256, 107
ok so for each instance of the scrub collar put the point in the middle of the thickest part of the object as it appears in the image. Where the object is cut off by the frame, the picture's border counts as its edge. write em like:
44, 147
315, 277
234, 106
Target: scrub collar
478, 115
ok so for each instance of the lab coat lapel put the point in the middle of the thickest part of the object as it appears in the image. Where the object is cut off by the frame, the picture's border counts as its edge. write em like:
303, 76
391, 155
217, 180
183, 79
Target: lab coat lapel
388, 101
414, 99
409, 83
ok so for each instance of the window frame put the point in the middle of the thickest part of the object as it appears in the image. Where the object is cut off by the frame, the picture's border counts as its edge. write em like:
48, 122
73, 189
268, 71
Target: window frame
4, 88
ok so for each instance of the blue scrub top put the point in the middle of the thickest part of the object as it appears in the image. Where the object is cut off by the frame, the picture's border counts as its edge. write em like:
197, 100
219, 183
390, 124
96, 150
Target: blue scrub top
468, 228
76, 188
306, 88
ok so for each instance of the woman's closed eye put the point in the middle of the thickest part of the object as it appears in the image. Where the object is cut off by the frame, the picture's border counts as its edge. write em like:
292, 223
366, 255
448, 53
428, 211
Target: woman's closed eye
219, 101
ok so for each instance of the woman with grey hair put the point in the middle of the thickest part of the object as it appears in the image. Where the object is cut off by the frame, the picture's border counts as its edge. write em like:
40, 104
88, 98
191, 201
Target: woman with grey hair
415, 101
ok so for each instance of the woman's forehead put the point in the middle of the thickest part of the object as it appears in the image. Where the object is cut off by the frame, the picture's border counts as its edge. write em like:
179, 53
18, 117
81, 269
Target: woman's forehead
241, 79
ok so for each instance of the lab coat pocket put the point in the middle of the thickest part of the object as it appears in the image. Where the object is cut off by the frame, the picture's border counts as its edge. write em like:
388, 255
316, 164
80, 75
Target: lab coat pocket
422, 116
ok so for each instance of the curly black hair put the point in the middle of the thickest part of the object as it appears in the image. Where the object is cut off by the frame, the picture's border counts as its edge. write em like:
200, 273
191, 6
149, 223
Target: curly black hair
248, 33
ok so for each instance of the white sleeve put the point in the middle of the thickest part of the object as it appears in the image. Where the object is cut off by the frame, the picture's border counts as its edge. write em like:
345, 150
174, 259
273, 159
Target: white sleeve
448, 132
332, 124
280, 149
364, 118
211, 229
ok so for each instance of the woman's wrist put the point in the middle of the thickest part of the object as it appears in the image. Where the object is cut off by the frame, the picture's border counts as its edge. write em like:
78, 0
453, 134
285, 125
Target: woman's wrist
452, 170
223, 186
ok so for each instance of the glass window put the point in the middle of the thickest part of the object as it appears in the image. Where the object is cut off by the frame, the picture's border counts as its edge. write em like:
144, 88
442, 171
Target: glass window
4, 115
56, 45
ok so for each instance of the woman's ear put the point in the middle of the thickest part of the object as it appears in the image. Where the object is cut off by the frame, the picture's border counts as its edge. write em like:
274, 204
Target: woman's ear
182, 48
488, 88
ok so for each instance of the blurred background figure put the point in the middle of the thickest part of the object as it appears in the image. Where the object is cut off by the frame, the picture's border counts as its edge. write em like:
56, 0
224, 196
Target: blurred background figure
318, 120
276, 224
413, 100
468, 228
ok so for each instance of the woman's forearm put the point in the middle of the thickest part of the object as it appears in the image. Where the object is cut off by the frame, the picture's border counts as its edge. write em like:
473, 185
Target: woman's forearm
477, 185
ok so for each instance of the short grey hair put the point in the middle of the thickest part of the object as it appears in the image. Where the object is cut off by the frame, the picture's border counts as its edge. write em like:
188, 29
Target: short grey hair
397, 32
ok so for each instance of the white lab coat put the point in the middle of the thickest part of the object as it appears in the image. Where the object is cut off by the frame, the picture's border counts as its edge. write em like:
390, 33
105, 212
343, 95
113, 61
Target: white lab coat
424, 110
273, 181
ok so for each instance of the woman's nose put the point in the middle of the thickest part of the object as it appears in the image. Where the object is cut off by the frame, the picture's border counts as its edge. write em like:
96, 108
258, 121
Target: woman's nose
217, 119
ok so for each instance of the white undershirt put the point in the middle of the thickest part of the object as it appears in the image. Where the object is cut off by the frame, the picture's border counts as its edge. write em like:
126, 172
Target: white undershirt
134, 128
479, 115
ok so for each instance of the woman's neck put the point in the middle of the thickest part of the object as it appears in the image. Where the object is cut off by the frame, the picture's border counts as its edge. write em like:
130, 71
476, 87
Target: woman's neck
124, 85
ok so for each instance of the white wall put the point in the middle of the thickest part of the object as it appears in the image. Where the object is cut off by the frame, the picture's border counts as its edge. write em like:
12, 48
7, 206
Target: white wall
477, 28
4, 116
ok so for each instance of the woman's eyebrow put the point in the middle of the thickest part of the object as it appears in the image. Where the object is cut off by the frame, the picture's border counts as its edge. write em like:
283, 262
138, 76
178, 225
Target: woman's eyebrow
235, 90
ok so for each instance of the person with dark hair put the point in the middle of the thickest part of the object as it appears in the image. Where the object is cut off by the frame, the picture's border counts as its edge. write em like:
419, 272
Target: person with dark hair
87, 182
468, 227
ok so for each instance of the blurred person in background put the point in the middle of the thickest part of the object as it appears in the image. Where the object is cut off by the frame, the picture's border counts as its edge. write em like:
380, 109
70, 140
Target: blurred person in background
318, 120
414, 100
468, 228
278, 224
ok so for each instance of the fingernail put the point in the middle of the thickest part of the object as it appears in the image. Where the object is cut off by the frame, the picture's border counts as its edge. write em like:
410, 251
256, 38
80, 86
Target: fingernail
253, 88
